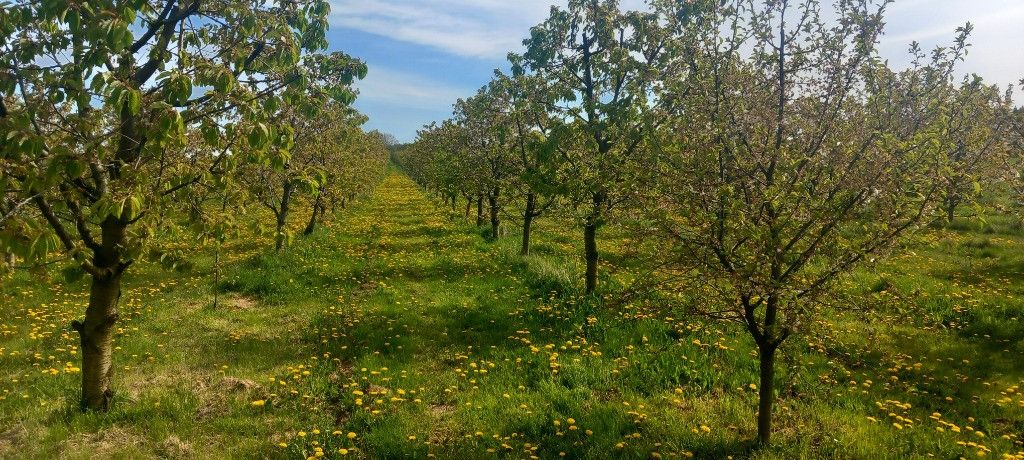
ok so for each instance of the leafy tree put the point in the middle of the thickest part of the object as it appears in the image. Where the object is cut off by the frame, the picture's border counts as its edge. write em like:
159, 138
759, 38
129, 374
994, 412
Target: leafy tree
484, 120
93, 93
971, 117
534, 156
596, 62
792, 159
359, 167
440, 161
1013, 132
327, 156
309, 127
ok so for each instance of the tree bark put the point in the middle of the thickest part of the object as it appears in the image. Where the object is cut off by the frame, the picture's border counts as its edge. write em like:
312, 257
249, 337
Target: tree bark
590, 242
317, 209
454, 205
282, 216
479, 210
96, 332
528, 215
492, 201
950, 205
766, 393
469, 206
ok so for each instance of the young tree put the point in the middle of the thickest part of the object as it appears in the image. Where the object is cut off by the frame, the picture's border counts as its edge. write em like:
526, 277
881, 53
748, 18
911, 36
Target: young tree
971, 138
534, 159
332, 154
597, 63
483, 118
299, 158
91, 95
791, 160
1012, 121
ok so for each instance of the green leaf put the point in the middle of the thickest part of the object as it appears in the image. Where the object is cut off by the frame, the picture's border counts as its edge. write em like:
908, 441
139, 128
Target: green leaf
259, 136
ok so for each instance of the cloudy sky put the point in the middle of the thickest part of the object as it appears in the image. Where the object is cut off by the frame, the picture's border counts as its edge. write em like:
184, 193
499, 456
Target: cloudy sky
424, 54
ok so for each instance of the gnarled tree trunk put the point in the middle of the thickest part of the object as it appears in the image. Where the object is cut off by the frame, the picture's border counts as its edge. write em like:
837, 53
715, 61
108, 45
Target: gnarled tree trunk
949, 205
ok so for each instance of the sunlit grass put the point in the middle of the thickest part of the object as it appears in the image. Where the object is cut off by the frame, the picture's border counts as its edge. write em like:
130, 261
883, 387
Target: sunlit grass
397, 331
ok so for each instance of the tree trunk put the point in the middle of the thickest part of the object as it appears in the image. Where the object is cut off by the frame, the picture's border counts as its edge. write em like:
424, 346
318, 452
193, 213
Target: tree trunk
766, 393
469, 206
528, 215
590, 242
950, 206
317, 209
282, 216
590, 254
479, 210
195, 211
454, 203
492, 201
96, 333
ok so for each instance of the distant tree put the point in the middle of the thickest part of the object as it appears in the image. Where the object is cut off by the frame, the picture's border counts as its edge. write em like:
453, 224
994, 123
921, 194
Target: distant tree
297, 161
93, 93
597, 64
332, 155
971, 138
1013, 133
534, 153
484, 119
791, 159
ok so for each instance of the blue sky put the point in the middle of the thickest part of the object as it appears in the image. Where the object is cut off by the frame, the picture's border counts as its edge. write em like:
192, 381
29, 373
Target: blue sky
424, 54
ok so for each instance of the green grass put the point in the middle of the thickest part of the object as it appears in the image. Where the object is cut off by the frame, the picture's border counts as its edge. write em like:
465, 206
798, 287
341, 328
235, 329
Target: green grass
398, 323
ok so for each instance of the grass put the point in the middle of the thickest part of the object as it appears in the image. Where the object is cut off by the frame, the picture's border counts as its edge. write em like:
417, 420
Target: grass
396, 331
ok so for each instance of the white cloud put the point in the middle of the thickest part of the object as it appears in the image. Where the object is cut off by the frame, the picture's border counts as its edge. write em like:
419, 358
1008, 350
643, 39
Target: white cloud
995, 52
391, 87
470, 28
491, 28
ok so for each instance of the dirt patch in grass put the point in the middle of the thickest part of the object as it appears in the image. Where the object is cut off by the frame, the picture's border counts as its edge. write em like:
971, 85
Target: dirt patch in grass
174, 447
9, 440
104, 443
441, 410
215, 394
233, 384
240, 303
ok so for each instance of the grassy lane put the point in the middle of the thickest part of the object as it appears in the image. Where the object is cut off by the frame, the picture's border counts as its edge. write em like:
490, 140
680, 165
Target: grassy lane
398, 332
